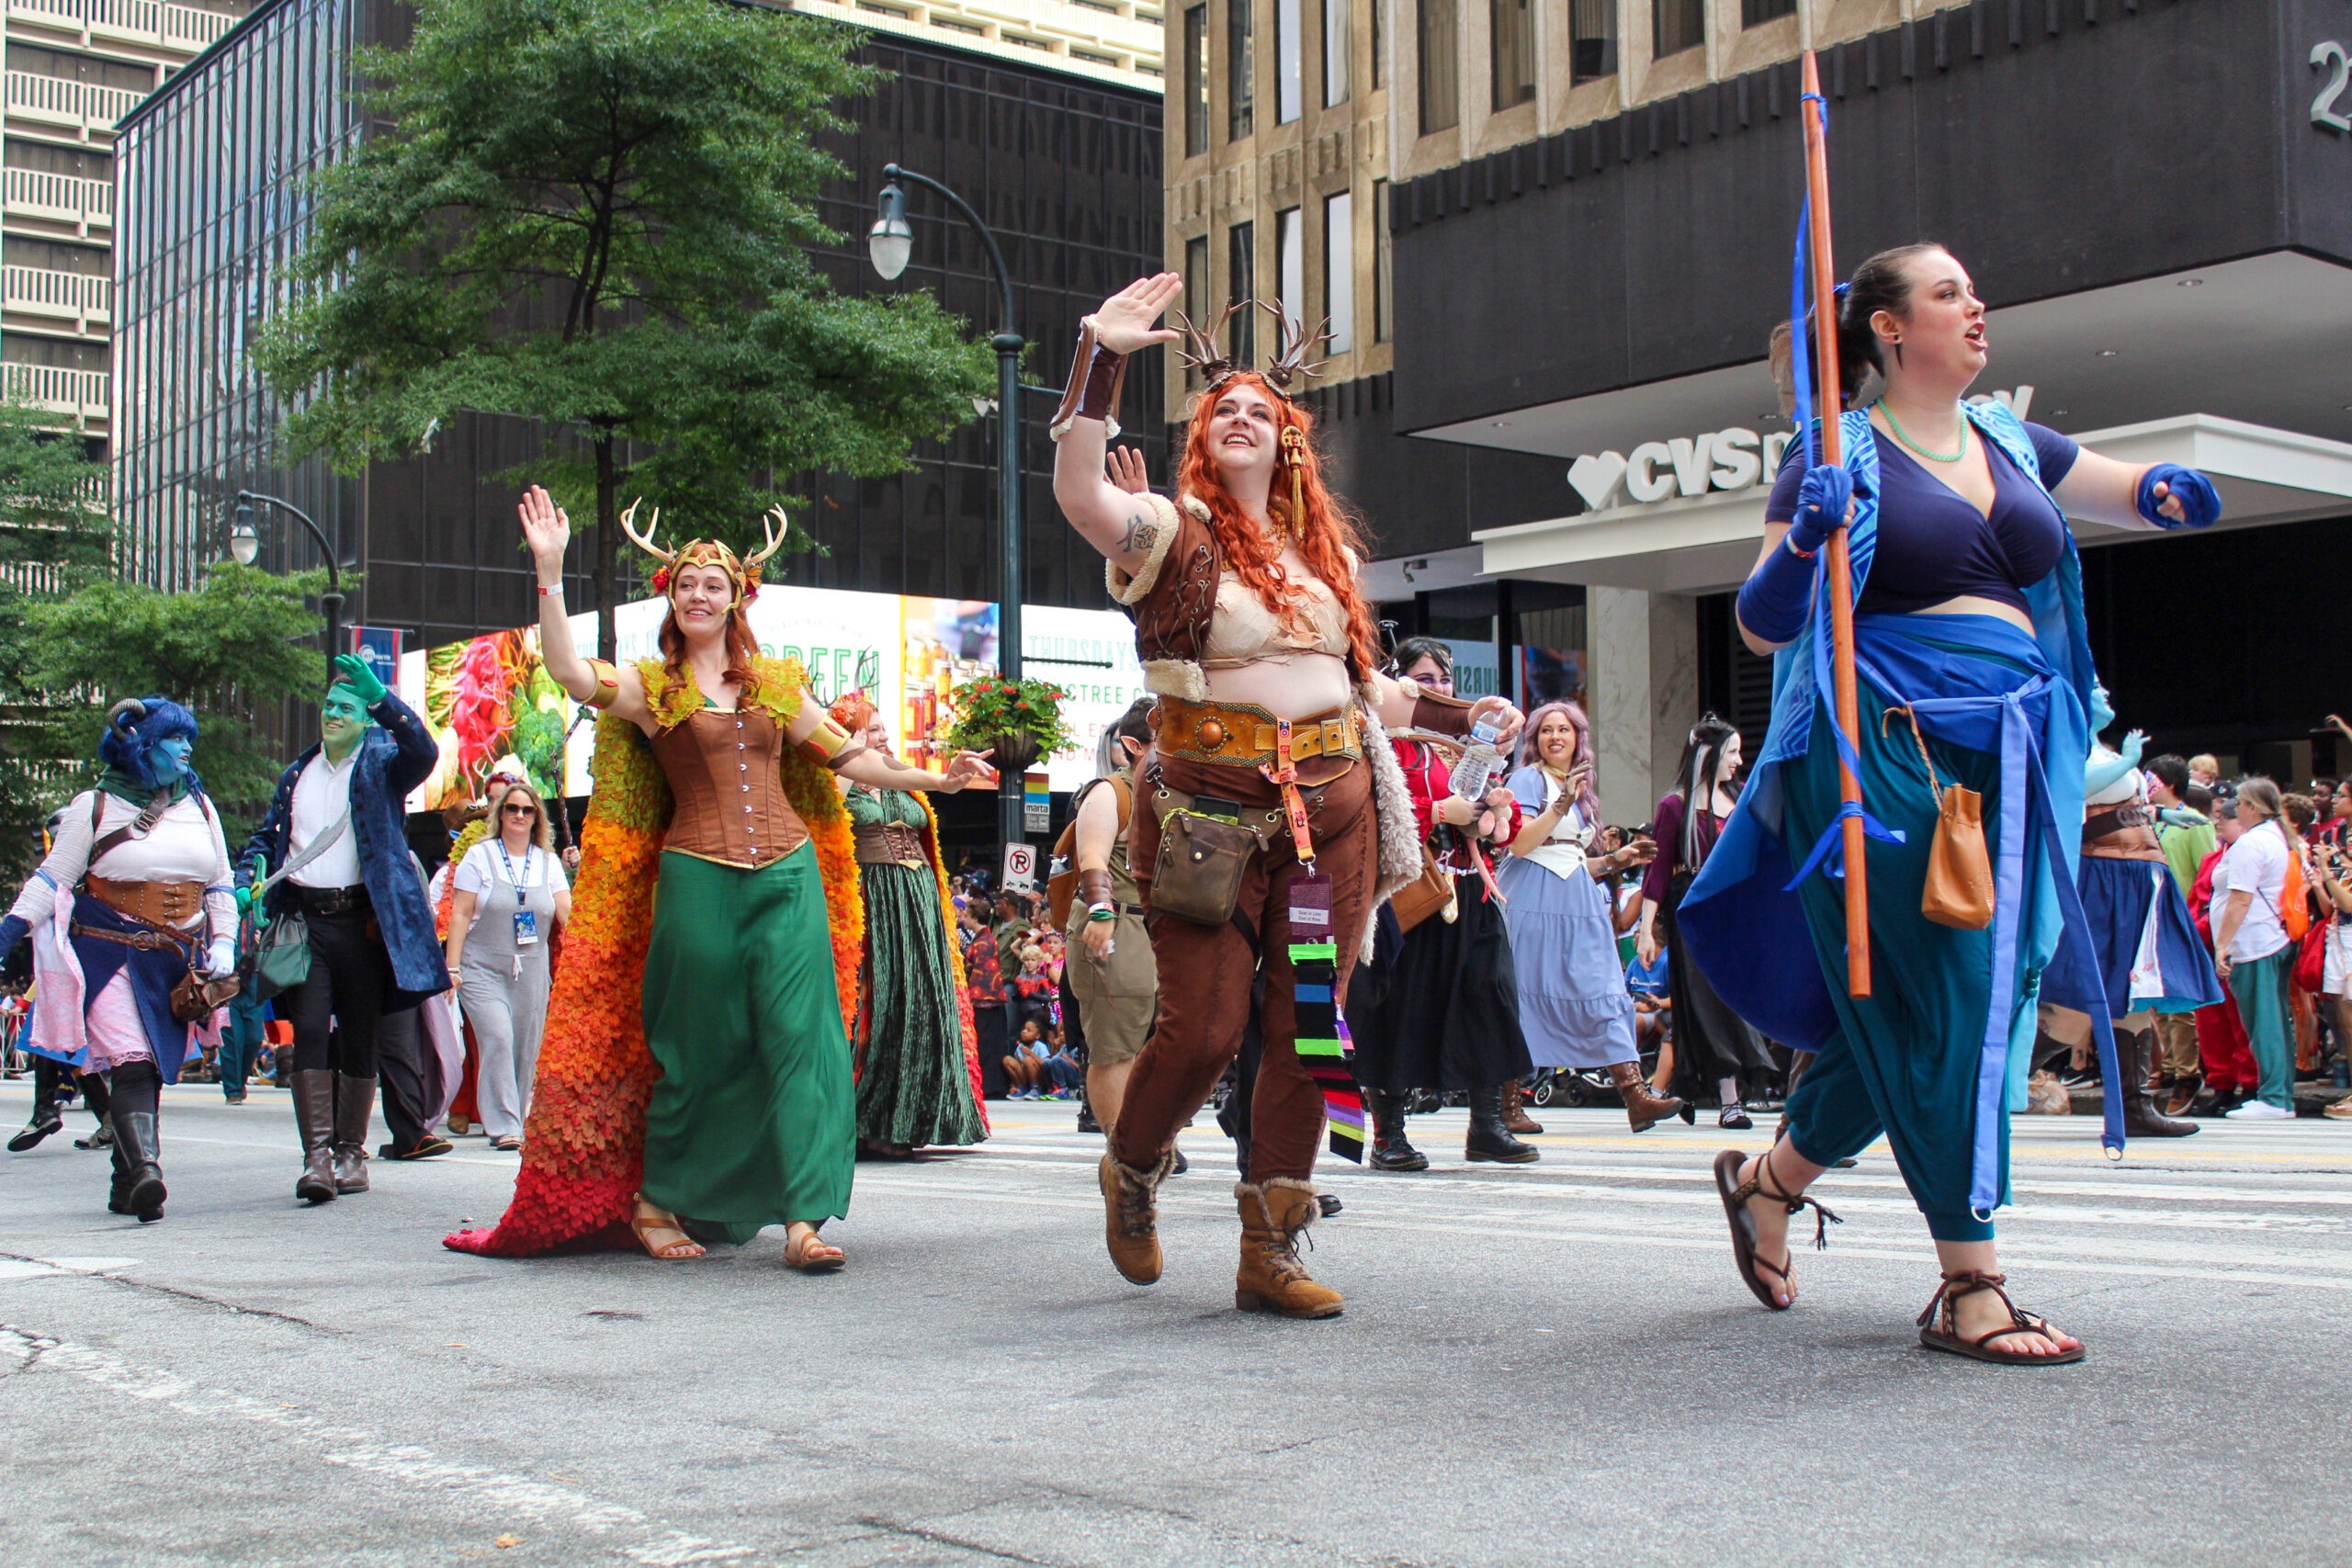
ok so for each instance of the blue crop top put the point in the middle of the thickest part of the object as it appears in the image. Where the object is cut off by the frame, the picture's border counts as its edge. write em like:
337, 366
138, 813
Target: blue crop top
1934, 545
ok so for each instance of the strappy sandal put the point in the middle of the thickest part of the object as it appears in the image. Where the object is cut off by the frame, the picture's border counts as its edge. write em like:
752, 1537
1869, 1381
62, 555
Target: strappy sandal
1939, 1324
811, 1254
1735, 1195
648, 1223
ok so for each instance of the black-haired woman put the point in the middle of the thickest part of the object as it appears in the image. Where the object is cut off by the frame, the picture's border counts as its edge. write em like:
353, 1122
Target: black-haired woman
1969, 625
134, 898
1714, 1048
1441, 1011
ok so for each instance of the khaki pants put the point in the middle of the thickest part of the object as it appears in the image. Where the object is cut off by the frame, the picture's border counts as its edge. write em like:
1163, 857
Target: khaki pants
2176, 1043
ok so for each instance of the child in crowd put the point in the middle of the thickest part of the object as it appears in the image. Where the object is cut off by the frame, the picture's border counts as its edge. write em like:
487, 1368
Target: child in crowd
1034, 992
1026, 1068
1069, 1073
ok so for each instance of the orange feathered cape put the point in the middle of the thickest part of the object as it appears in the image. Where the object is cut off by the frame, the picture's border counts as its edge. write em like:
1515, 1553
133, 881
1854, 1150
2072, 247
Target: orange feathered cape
584, 1144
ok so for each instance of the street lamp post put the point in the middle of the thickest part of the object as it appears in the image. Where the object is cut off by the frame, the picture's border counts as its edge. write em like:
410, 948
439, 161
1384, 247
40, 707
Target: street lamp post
891, 245
244, 544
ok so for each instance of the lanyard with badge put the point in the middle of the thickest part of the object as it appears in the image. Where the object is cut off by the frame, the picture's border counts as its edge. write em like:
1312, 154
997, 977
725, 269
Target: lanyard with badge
527, 920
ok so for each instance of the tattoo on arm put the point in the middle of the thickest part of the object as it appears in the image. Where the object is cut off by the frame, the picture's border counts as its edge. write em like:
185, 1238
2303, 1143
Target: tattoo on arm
1140, 535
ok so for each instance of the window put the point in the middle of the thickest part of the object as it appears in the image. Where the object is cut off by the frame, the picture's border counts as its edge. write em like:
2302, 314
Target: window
51, 159
56, 255
1340, 270
1676, 25
1196, 292
1289, 52
1240, 286
1336, 38
1379, 44
1756, 13
66, 354
1441, 101
1196, 81
1290, 262
953, 26
1592, 40
1239, 121
1511, 38
1383, 288
96, 68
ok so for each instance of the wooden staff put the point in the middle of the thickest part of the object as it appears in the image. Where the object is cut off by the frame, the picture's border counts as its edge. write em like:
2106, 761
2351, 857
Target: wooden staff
1841, 573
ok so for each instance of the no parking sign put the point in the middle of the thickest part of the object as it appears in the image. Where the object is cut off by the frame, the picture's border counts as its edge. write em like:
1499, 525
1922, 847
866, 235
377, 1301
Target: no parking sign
1020, 867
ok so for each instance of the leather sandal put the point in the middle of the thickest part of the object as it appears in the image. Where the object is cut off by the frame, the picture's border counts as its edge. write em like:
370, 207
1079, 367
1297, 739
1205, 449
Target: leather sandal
651, 1225
1735, 1194
811, 1254
1939, 1324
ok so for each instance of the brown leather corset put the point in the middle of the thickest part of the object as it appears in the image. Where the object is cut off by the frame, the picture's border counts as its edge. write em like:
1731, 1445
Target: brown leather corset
722, 765
170, 904
2126, 833
888, 843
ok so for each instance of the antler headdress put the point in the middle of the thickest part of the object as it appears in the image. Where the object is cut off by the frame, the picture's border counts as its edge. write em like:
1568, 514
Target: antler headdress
1291, 344
744, 574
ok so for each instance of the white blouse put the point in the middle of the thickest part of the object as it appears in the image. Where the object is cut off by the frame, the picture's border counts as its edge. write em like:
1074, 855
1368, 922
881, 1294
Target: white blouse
184, 846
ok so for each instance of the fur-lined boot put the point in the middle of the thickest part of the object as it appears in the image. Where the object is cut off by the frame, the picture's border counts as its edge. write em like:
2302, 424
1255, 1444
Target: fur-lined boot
1131, 1216
1274, 1216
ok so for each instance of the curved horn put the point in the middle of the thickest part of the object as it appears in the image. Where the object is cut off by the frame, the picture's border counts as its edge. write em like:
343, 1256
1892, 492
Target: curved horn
1292, 342
775, 536
645, 541
133, 707
1205, 356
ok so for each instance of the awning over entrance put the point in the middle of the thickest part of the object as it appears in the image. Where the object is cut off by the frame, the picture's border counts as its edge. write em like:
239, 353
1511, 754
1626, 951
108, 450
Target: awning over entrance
1706, 543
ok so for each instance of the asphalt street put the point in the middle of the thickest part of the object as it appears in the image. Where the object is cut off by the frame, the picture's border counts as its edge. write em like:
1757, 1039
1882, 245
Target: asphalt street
1549, 1364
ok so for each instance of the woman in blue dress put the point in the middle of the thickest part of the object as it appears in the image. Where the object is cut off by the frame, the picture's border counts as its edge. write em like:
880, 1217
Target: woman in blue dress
1969, 625
1573, 1004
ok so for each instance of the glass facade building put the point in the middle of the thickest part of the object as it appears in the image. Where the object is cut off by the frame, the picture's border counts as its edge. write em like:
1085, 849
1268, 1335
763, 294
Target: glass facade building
1066, 170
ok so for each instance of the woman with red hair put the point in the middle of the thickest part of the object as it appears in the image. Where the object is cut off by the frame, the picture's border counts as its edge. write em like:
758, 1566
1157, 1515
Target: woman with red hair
1275, 817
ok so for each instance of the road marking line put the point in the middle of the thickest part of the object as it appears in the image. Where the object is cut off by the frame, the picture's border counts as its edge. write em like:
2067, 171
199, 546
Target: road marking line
355, 1449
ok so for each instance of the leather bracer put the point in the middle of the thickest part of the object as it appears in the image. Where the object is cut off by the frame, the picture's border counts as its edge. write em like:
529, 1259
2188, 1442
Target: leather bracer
1095, 376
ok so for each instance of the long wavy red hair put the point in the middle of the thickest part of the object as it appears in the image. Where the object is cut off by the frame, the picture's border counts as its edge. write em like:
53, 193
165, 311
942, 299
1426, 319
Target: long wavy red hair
1326, 534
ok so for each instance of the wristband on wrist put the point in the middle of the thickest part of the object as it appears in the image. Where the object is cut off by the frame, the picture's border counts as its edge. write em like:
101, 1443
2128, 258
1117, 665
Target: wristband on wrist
1092, 392
547, 592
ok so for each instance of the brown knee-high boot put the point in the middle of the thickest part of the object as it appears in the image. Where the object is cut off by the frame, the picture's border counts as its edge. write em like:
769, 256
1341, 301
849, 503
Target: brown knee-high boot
1272, 1278
314, 1117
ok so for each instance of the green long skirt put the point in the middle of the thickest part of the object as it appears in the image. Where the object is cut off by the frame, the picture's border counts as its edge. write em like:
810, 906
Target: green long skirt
750, 1123
916, 1088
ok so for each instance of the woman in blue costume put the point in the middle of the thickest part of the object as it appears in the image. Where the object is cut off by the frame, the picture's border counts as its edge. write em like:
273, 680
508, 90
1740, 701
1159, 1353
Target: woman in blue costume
1969, 622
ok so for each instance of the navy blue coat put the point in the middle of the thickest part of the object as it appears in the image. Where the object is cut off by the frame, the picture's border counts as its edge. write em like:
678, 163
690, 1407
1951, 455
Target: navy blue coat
395, 756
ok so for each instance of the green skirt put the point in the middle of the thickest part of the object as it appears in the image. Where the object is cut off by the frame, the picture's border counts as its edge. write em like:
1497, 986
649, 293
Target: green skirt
750, 1123
916, 1088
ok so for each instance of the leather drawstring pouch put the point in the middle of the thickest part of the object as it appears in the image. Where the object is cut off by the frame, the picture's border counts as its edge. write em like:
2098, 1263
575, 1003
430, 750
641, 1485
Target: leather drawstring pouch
1197, 874
1959, 891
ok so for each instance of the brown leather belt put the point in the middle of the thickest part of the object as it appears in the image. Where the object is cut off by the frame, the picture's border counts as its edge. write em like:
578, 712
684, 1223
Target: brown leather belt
1239, 736
890, 843
152, 941
150, 903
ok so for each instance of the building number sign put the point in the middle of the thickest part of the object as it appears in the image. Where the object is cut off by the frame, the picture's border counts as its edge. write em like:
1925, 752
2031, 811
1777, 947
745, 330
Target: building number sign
2328, 110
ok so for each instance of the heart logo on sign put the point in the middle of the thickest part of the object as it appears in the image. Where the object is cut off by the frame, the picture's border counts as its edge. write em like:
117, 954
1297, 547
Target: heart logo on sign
1596, 479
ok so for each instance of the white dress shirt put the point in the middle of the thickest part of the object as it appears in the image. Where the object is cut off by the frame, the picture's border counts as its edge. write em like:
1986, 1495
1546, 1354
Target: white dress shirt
321, 795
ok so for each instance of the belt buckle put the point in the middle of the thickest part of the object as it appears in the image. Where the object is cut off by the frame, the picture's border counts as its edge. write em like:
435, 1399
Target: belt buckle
1335, 737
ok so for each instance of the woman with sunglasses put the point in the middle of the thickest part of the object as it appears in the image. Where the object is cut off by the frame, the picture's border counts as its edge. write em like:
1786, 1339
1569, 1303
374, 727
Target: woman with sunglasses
509, 899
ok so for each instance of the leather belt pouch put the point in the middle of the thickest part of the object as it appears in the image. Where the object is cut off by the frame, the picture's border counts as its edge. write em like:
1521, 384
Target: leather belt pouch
1197, 876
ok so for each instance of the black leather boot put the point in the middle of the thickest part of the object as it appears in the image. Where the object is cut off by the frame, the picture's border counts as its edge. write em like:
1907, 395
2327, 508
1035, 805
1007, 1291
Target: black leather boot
119, 1190
1390, 1148
2140, 1117
314, 1115
139, 1155
1489, 1139
45, 1120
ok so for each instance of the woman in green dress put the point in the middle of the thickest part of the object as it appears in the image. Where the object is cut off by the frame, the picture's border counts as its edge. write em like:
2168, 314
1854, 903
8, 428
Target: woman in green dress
919, 1061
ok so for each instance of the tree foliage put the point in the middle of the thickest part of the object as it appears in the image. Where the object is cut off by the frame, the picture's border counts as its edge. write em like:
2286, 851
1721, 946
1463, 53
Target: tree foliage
229, 650
597, 213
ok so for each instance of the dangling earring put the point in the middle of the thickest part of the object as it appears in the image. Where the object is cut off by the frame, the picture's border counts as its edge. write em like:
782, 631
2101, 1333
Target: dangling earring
1295, 453
1898, 351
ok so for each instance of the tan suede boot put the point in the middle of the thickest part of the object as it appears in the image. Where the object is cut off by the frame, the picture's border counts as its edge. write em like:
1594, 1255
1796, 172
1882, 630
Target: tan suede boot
1643, 1108
1131, 1216
1271, 1278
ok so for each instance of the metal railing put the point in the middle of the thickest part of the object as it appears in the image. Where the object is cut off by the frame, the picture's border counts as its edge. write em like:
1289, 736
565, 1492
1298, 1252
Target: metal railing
138, 21
47, 293
59, 389
67, 198
63, 101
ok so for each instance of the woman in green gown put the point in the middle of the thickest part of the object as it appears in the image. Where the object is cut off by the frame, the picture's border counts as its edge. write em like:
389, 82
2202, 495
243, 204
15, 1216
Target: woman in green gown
918, 1074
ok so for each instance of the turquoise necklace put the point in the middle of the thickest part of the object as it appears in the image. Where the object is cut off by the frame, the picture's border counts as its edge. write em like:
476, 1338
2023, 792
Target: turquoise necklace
1905, 436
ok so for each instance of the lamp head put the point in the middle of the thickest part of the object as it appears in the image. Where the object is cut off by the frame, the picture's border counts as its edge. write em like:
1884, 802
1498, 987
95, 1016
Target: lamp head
891, 243
245, 542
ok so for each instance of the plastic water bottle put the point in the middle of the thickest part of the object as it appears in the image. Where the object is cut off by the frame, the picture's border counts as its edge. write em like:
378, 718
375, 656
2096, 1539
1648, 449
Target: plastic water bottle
1474, 773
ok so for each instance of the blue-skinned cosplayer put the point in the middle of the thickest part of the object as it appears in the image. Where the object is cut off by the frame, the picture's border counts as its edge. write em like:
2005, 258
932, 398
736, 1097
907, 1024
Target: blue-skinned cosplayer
332, 853
131, 902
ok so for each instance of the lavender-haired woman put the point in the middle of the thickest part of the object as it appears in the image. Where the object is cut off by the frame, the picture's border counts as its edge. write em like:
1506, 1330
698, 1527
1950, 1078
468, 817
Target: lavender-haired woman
1573, 1004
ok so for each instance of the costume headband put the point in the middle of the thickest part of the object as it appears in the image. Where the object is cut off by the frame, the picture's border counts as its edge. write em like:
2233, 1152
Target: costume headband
1292, 342
744, 575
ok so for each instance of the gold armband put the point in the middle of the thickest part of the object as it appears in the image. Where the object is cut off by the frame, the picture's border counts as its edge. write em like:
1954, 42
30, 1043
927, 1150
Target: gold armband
829, 743
608, 684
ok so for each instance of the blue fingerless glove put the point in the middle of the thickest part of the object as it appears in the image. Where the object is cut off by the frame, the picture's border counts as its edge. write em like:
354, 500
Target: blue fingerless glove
2201, 504
1774, 599
1822, 500
13, 929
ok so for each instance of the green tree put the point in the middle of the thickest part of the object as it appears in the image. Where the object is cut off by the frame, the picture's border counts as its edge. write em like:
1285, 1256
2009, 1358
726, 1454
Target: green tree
228, 649
597, 213
55, 537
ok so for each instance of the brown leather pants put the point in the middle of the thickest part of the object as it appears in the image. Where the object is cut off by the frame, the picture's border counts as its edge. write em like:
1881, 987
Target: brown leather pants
1206, 972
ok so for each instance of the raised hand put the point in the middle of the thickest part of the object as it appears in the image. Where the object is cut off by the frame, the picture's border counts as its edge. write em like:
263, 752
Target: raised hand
970, 767
353, 672
1124, 324
546, 528
1124, 467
